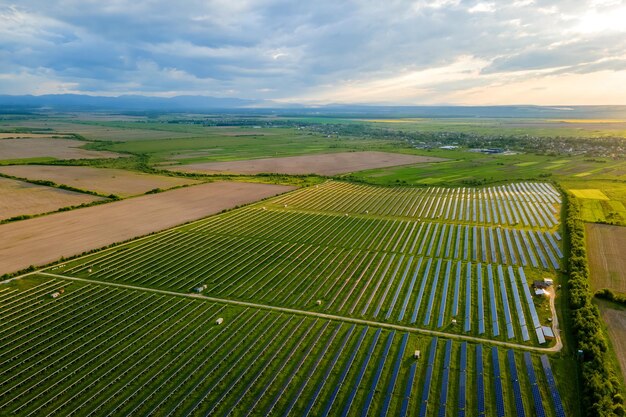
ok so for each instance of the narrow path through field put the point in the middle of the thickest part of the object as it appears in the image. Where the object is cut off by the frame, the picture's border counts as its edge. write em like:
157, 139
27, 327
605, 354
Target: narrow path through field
556, 348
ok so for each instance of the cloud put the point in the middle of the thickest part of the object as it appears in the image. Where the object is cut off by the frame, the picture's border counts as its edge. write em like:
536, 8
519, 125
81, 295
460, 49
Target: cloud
386, 52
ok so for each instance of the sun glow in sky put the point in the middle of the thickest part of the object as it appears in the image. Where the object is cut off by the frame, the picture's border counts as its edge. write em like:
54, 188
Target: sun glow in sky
393, 52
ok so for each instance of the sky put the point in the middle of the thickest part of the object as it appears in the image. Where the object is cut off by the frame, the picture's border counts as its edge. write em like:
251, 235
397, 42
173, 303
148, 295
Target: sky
544, 52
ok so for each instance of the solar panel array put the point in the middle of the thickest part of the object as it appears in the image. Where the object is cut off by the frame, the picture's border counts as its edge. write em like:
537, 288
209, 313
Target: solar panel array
480, 381
404, 407
428, 378
445, 379
554, 392
534, 387
497, 382
377, 374
517, 390
462, 380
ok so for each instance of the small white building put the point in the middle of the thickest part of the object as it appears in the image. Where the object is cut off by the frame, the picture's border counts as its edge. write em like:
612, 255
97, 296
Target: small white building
417, 354
219, 321
540, 292
548, 332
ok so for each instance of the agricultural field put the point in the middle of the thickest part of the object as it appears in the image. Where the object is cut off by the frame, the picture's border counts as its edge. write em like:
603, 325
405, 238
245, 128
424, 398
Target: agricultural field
93, 130
218, 144
105, 181
322, 164
606, 246
601, 201
444, 275
497, 126
464, 166
615, 320
18, 198
45, 239
24, 149
106, 350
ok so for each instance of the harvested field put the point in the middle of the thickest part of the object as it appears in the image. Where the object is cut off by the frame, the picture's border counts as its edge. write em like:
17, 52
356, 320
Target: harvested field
97, 132
616, 323
21, 198
323, 164
23, 136
606, 246
45, 239
102, 180
55, 148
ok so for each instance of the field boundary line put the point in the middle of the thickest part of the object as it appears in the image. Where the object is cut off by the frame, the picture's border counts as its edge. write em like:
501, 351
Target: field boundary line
555, 348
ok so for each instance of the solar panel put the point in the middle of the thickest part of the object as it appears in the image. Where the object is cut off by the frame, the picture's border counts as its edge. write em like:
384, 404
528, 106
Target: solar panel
467, 324
428, 378
443, 397
462, 379
429, 251
449, 242
518, 305
457, 242
440, 243
394, 375
433, 291
420, 293
466, 244
480, 381
444, 292
505, 304
329, 369
554, 392
503, 256
404, 408
410, 290
399, 287
492, 302
377, 374
497, 380
530, 370
391, 280
509, 244
483, 244
359, 377
517, 391
344, 373
457, 287
520, 249
481, 306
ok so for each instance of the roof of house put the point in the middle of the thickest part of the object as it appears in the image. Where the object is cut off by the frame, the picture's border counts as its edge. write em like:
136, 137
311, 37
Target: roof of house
547, 331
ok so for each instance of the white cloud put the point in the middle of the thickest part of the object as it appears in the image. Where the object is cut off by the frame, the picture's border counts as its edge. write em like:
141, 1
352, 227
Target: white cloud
482, 8
395, 51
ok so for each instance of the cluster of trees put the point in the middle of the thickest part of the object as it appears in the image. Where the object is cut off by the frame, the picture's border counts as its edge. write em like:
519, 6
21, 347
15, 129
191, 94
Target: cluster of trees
601, 387
607, 294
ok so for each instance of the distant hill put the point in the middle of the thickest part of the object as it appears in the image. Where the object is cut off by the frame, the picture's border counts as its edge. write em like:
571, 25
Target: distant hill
138, 103
78, 102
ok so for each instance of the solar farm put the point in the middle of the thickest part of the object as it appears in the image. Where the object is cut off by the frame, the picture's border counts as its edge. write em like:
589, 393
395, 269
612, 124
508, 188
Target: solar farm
334, 299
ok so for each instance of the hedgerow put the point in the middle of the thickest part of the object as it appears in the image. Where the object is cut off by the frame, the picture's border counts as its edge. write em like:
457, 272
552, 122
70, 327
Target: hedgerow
601, 388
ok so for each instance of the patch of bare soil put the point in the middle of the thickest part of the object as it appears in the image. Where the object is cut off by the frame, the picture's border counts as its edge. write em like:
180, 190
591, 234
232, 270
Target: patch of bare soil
19, 198
102, 180
323, 164
45, 239
54, 148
